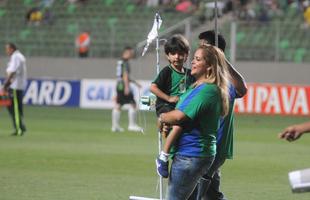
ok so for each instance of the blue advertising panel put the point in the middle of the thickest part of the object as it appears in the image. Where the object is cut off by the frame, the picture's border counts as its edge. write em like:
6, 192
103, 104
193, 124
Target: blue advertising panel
47, 92
52, 92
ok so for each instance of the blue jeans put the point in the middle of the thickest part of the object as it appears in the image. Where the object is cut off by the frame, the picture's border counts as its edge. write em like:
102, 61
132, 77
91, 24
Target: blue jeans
184, 175
214, 192
208, 187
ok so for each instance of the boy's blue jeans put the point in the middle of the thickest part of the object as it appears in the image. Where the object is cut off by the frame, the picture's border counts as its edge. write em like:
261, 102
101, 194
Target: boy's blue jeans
184, 175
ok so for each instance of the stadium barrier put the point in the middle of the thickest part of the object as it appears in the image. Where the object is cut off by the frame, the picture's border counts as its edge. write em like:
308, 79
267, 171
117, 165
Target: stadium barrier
275, 99
262, 98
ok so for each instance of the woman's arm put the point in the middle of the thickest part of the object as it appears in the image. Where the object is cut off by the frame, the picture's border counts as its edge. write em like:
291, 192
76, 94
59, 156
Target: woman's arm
173, 117
237, 80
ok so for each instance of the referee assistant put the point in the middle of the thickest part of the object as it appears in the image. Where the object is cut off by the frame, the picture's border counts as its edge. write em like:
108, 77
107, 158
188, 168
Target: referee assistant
15, 84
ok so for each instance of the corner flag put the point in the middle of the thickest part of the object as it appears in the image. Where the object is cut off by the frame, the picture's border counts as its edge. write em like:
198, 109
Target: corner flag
153, 33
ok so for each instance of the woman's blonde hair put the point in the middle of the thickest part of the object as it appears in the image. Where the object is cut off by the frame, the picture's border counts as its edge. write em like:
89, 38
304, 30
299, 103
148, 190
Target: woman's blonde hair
218, 74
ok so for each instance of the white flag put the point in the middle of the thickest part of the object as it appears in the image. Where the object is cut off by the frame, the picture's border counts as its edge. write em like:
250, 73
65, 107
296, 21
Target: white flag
153, 33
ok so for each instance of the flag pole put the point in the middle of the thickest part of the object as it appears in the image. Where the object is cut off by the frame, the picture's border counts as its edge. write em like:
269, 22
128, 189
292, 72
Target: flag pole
157, 17
154, 32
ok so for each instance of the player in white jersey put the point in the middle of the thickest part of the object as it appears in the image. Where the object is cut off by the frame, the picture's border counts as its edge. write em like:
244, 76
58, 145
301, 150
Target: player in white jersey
15, 84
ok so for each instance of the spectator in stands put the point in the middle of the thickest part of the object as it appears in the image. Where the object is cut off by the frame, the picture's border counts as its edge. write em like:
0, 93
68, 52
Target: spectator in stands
306, 14
124, 94
14, 84
185, 6
294, 132
34, 16
82, 44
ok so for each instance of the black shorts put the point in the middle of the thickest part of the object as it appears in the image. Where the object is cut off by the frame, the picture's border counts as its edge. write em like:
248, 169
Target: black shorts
163, 108
122, 99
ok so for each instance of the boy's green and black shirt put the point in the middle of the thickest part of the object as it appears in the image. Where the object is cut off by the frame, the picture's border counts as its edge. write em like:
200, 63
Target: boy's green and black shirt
172, 83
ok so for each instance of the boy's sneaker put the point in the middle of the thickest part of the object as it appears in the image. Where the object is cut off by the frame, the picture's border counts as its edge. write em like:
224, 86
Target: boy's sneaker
162, 168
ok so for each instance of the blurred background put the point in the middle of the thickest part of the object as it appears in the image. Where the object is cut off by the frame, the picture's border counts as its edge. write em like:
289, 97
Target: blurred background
270, 31
71, 153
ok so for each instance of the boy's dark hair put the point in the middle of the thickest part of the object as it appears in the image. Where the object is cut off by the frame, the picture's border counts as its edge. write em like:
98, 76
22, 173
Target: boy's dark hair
176, 44
12, 46
209, 36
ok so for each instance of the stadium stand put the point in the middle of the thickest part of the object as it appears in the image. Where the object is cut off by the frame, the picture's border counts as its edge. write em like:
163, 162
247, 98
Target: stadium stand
113, 24
280, 38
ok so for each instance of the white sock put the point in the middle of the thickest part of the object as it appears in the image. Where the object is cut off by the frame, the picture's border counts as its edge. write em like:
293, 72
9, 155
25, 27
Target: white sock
116, 114
132, 116
164, 156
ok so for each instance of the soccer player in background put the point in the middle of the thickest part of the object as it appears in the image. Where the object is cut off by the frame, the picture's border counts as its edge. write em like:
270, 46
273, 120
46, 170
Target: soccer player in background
124, 95
208, 187
15, 84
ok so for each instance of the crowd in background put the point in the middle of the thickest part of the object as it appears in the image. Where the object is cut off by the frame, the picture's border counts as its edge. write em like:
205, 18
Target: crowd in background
247, 10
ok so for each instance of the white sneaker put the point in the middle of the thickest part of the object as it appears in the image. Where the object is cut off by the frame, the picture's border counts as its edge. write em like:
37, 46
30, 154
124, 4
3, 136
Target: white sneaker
135, 128
117, 129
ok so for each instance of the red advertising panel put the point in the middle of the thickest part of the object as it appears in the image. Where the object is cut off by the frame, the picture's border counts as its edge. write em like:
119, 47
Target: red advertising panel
275, 99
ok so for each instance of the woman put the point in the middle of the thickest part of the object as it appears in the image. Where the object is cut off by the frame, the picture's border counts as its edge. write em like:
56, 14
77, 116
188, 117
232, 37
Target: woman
198, 110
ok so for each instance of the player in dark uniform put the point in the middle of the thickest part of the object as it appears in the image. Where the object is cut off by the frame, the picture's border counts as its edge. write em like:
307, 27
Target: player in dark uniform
124, 93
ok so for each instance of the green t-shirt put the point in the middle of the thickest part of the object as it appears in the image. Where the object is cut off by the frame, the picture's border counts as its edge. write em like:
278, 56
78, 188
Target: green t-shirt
203, 106
226, 131
172, 83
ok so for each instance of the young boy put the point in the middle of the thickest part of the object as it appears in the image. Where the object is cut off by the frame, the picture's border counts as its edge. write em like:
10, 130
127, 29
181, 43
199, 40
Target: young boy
169, 84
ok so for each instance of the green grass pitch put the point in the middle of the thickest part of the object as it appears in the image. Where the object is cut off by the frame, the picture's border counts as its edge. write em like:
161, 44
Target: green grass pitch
71, 154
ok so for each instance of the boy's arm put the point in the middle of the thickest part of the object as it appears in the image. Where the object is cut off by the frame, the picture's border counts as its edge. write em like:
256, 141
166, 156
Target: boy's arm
237, 80
160, 94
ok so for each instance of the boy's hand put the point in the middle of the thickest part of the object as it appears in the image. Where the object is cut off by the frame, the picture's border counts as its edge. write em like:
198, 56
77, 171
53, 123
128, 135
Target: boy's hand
173, 99
165, 129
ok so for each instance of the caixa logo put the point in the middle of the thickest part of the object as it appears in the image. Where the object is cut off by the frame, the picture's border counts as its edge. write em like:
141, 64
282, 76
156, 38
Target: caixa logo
99, 93
52, 92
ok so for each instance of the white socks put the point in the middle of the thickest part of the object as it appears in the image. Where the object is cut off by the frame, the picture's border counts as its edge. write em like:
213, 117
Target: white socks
116, 114
164, 156
132, 117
